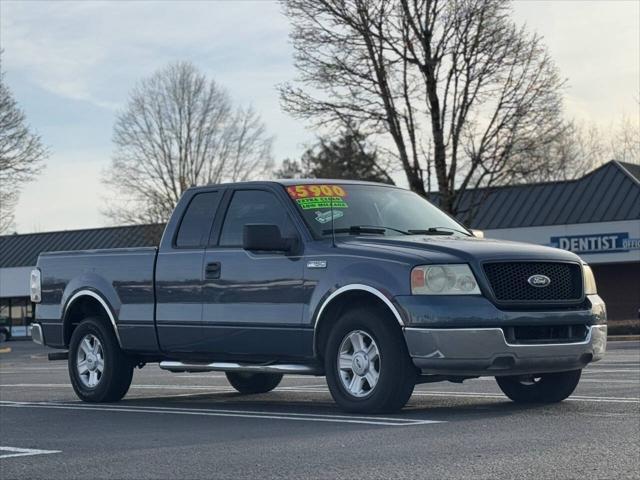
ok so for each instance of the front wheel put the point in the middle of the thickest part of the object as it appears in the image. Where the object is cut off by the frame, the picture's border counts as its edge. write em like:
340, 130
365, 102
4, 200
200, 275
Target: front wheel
249, 383
540, 388
99, 370
367, 364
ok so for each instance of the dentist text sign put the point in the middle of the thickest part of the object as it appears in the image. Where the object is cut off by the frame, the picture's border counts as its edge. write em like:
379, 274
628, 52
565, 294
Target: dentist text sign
597, 243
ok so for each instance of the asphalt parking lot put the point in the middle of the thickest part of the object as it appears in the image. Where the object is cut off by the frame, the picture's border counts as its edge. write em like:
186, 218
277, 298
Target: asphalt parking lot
196, 426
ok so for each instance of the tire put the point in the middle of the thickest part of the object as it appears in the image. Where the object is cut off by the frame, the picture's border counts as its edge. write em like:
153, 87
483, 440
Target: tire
4, 336
544, 388
379, 382
108, 385
250, 383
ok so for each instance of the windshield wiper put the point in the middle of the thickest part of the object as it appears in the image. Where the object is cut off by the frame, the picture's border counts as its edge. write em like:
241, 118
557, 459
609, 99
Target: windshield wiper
358, 229
438, 231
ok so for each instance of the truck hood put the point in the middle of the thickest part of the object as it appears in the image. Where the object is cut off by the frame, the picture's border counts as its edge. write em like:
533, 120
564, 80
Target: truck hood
446, 248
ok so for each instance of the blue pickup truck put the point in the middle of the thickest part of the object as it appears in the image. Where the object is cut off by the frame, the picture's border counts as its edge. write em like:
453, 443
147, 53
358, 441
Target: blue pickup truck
369, 285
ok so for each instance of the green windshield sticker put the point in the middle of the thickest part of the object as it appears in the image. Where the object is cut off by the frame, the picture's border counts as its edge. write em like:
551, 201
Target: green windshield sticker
316, 203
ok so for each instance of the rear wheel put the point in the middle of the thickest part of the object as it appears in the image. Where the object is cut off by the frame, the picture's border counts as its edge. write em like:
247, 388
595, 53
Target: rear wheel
99, 370
540, 388
248, 383
367, 364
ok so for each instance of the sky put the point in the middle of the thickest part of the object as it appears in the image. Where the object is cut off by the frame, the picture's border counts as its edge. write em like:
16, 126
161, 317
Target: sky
71, 66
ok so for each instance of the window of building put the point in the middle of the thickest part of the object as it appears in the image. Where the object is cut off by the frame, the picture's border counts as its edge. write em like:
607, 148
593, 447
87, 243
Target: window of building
16, 315
5, 314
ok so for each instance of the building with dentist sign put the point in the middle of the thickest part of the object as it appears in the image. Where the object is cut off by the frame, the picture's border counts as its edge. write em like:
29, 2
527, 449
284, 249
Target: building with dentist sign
596, 216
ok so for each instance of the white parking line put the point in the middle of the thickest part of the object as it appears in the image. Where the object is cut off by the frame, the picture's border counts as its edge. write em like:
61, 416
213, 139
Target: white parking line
382, 421
610, 370
582, 380
30, 369
160, 387
23, 452
322, 389
606, 380
574, 398
177, 395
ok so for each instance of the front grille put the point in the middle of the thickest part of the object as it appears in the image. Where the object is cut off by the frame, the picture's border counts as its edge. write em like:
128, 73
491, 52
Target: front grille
510, 282
526, 335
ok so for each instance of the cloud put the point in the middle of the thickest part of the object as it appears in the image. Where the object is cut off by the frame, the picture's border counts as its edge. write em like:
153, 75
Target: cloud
72, 65
595, 45
65, 196
81, 50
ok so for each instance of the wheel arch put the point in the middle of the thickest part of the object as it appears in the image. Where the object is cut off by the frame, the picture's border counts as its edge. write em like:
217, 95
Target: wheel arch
84, 303
342, 299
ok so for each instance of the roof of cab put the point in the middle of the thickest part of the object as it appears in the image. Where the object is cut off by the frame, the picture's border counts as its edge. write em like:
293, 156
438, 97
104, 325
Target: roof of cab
324, 181
299, 181
287, 182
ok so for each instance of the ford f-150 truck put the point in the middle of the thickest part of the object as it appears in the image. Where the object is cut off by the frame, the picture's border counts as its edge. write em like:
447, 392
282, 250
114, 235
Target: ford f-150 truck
369, 285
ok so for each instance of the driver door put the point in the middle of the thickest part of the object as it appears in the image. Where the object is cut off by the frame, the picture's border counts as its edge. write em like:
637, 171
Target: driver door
252, 302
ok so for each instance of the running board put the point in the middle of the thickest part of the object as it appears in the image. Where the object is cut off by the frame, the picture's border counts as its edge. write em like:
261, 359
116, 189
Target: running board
58, 356
240, 367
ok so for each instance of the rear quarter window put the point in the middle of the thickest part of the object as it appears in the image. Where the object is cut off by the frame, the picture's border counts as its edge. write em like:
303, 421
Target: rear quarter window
197, 220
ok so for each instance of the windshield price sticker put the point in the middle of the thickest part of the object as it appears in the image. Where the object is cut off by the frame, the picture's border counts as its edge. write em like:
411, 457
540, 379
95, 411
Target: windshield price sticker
316, 197
314, 191
316, 203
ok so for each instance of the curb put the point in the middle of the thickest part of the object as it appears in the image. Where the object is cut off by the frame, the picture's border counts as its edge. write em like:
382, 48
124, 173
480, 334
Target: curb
623, 338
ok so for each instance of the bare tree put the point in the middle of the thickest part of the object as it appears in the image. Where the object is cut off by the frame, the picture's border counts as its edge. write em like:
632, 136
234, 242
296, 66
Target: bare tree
346, 154
460, 90
290, 169
178, 131
582, 147
21, 154
578, 149
624, 144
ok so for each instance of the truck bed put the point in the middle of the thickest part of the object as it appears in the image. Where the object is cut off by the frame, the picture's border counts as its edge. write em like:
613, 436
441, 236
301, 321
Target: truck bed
124, 277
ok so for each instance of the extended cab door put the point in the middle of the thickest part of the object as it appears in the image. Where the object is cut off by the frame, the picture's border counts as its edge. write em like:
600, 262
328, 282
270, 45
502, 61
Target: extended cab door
179, 274
253, 302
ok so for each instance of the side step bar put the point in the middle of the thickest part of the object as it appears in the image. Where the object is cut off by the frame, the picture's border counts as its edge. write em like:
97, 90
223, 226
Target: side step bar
240, 367
58, 356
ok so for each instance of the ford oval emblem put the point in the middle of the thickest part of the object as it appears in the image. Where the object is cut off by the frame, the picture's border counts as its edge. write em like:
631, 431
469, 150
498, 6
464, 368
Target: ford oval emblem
539, 281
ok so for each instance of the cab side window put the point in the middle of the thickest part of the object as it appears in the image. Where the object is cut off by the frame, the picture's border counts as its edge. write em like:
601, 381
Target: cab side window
253, 206
197, 220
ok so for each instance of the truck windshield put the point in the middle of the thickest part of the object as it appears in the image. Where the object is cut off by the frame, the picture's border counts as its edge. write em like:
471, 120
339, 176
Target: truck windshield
369, 210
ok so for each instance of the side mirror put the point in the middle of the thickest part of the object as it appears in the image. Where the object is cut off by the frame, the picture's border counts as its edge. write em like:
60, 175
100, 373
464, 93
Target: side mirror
478, 233
266, 238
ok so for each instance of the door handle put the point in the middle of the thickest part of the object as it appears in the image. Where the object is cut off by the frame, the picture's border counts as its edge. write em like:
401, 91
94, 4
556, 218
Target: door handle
212, 270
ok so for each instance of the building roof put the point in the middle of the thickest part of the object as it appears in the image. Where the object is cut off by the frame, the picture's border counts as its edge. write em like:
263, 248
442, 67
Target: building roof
632, 168
608, 193
23, 250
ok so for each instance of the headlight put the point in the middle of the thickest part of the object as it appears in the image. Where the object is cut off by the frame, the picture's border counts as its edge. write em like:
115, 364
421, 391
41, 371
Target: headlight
589, 280
443, 280
35, 286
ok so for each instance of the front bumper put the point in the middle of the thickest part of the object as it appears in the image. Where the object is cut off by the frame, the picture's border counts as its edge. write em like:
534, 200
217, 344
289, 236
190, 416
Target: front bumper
484, 350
